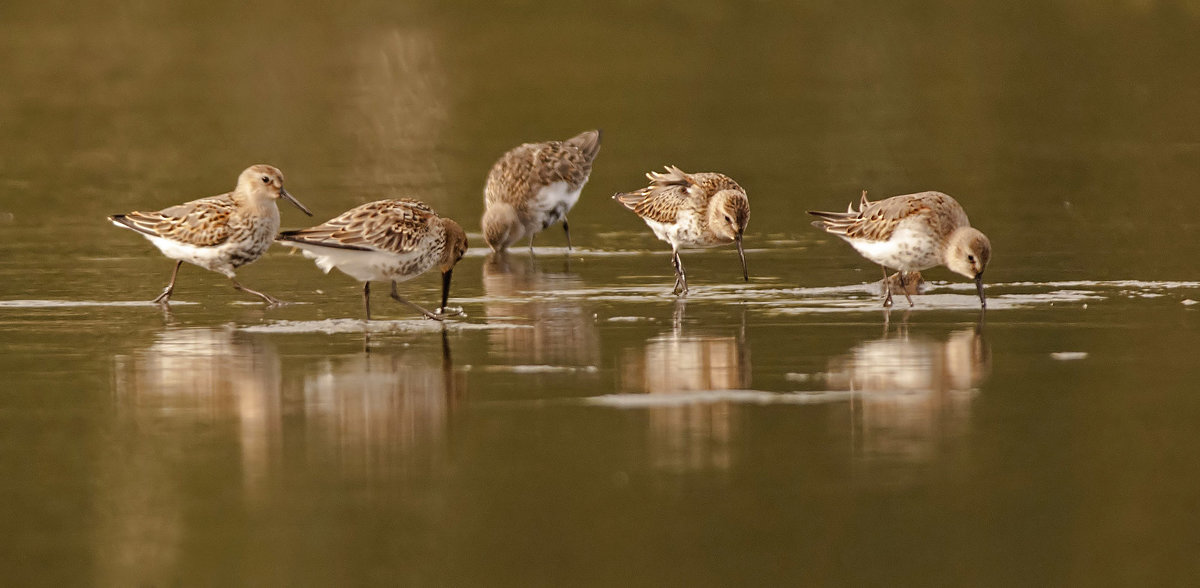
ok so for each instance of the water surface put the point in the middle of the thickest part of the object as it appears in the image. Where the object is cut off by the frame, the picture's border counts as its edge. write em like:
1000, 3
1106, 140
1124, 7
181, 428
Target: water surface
581, 425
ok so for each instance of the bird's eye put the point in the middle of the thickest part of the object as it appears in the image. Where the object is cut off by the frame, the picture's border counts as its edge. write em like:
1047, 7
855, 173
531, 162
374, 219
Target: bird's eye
971, 258
727, 219
266, 179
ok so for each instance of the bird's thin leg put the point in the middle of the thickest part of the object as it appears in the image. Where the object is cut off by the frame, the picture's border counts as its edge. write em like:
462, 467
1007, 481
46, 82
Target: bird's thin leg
273, 301
680, 276
904, 288
367, 298
531, 244
398, 298
567, 230
166, 293
887, 288
675, 266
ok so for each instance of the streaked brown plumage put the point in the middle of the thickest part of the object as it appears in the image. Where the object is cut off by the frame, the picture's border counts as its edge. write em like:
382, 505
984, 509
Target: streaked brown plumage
219, 233
392, 240
534, 186
692, 210
911, 233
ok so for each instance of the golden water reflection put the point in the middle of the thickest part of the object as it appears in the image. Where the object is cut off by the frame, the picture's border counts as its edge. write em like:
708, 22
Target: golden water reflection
519, 291
908, 394
690, 436
372, 415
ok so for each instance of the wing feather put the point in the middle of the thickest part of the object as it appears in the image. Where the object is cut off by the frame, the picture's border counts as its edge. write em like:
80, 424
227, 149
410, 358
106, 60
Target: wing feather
667, 195
523, 170
875, 221
203, 222
395, 226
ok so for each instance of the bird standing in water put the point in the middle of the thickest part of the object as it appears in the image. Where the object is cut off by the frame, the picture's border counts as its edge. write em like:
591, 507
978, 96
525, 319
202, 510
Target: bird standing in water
534, 186
911, 233
386, 240
690, 211
219, 233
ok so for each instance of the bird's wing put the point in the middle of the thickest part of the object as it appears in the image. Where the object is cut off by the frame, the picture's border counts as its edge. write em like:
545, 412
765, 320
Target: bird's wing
530, 166
203, 222
395, 226
667, 194
874, 221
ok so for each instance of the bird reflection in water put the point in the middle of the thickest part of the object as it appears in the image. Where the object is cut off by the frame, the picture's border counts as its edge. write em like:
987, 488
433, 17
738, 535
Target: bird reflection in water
909, 393
560, 331
366, 405
383, 411
698, 432
190, 389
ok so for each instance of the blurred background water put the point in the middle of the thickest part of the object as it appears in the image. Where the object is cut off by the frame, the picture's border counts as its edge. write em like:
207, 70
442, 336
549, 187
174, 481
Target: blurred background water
582, 426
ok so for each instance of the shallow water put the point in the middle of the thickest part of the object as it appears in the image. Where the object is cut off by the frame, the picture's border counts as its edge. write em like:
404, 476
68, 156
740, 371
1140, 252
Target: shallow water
580, 425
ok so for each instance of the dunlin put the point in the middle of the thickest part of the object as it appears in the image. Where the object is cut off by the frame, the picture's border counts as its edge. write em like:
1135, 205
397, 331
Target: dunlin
386, 240
218, 233
911, 233
690, 211
534, 186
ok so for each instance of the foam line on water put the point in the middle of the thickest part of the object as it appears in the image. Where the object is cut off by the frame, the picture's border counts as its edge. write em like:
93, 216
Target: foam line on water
696, 397
83, 303
338, 326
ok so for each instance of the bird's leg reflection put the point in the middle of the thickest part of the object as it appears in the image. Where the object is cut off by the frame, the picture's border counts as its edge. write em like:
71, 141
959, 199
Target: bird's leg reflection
168, 316
556, 330
678, 316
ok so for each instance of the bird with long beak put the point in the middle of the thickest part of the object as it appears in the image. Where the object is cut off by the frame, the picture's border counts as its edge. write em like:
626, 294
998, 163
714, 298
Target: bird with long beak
911, 233
386, 240
218, 233
691, 211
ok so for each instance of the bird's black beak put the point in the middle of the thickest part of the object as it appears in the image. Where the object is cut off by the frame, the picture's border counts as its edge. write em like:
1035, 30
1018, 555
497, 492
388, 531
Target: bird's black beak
979, 288
446, 287
284, 194
742, 256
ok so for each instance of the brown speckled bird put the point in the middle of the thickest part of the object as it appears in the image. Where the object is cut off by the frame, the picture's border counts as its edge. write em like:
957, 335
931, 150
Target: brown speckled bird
386, 240
219, 233
534, 186
691, 211
910, 233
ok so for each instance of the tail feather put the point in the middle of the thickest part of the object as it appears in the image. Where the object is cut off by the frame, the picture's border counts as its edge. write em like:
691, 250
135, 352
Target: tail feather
123, 221
317, 238
834, 222
673, 176
588, 143
631, 199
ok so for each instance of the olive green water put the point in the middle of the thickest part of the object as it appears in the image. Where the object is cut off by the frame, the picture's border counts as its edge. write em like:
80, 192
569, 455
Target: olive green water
580, 426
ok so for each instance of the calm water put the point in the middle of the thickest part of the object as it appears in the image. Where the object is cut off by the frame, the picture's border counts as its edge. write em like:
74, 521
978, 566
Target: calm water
581, 426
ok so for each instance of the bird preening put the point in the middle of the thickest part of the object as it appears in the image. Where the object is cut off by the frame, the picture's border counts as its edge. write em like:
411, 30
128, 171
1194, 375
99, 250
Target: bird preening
692, 211
535, 185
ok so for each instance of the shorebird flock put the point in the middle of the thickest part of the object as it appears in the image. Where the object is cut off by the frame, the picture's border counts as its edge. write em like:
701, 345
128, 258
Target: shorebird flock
530, 188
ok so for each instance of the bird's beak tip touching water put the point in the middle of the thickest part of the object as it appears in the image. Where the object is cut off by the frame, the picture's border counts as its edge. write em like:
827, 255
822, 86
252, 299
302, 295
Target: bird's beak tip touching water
742, 256
979, 288
446, 287
292, 199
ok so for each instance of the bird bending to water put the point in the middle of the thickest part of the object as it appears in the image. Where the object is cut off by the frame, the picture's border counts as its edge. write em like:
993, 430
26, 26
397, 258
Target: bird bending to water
690, 211
911, 233
534, 186
219, 233
386, 240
